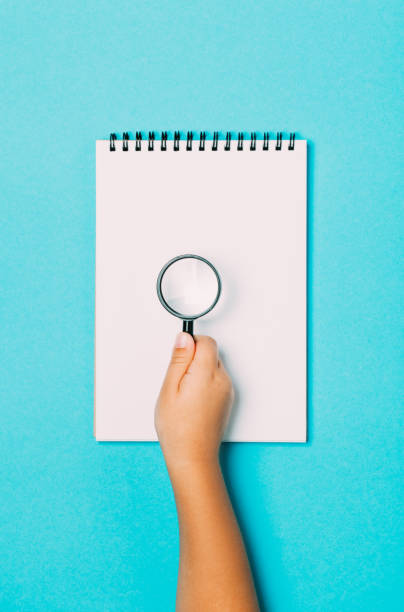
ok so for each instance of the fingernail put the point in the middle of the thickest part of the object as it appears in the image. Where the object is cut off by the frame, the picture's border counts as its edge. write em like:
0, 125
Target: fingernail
181, 340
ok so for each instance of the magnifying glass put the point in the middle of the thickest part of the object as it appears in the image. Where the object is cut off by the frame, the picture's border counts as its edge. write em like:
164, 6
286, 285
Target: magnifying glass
188, 286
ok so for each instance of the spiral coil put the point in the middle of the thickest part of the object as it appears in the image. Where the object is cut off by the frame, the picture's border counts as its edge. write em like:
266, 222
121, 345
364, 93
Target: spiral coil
202, 141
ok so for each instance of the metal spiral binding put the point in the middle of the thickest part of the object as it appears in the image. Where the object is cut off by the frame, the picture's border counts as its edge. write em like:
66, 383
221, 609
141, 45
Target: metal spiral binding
215, 141
291, 146
253, 144
202, 141
151, 141
177, 137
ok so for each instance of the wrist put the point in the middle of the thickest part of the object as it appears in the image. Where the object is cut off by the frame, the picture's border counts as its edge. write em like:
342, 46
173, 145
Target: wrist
191, 470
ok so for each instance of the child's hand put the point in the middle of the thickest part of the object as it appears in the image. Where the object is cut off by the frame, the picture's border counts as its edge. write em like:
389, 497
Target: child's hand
191, 415
194, 403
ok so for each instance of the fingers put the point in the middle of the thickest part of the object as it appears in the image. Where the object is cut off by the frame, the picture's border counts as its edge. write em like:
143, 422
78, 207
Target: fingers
206, 353
190, 357
181, 357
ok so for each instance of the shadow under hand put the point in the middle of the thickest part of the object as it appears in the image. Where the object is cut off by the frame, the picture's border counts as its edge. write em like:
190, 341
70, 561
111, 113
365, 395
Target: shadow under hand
226, 453
248, 490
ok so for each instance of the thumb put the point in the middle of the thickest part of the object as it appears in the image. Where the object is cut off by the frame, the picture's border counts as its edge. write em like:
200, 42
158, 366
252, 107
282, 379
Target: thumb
181, 358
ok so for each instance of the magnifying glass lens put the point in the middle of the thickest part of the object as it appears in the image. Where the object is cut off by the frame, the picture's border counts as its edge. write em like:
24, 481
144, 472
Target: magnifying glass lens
189, 286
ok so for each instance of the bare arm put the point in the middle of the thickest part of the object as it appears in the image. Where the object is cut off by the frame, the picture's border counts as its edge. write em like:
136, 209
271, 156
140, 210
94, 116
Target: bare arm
191, 415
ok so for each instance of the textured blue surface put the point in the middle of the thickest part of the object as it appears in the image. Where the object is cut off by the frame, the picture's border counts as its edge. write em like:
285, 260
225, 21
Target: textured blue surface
86, 526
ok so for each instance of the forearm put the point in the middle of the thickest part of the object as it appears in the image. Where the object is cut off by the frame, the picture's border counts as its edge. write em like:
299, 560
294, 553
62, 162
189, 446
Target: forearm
214, 572
191, 416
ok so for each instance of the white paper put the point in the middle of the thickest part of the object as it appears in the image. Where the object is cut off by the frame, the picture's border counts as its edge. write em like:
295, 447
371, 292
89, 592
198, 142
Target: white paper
245, 211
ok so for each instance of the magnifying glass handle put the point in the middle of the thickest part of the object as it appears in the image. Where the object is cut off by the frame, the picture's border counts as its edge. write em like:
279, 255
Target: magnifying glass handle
188, 326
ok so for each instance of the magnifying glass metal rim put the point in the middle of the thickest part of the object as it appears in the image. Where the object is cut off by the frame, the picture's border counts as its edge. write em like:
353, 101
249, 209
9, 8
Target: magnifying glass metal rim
175, 313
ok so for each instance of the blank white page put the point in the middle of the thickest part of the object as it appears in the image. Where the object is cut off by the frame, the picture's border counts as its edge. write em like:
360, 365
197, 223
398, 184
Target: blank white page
245, 211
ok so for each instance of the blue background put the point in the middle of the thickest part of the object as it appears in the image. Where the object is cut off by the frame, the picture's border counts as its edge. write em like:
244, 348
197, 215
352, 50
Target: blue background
89, 526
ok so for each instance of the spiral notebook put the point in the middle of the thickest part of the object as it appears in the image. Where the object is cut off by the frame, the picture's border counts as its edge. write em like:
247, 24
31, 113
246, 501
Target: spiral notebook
238, 200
